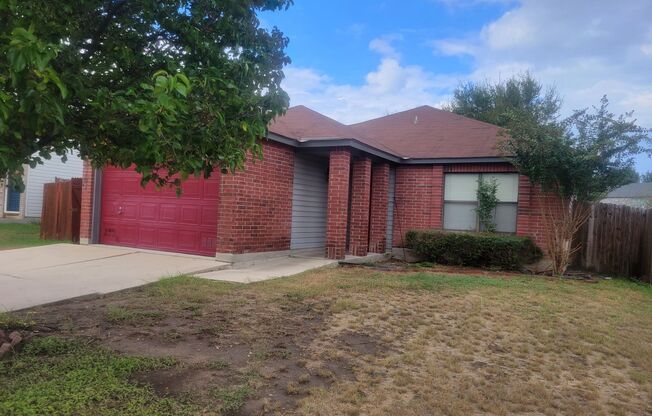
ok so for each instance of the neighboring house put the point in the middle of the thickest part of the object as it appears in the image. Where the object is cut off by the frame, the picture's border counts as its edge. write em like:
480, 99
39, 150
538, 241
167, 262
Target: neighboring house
322, 188
638, 195
28, 204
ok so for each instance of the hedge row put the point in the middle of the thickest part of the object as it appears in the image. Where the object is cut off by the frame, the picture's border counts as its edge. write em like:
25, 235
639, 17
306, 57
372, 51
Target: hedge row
474, 249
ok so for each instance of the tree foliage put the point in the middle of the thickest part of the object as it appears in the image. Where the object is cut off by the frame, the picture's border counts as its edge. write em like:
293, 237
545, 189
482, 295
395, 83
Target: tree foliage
583, 157
646, 177
521, 97
172, 86
576, 160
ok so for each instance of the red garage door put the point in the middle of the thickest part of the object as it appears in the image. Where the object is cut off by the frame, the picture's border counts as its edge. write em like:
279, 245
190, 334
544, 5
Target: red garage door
158, 219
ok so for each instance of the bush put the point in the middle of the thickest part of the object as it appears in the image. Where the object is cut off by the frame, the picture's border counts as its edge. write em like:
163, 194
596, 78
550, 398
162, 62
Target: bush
474, 249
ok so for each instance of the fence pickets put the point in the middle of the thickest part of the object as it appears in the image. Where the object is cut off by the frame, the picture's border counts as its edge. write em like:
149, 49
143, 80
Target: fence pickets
617, 240
60, 217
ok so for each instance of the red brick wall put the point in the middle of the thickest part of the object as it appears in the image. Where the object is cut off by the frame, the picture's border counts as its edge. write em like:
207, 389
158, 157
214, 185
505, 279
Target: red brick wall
86, 225
255, 206
378, 210
338, 202
420, 198
532, 201
360, 200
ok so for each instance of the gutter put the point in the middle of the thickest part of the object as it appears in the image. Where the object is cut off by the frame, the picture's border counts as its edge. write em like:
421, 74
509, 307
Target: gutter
319, 143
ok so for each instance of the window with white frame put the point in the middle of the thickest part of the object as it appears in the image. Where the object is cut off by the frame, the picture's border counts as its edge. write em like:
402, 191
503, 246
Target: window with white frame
461, 202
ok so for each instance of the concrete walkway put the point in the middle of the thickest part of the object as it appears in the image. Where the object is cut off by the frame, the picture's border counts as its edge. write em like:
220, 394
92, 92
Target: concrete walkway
268, 269
45, 274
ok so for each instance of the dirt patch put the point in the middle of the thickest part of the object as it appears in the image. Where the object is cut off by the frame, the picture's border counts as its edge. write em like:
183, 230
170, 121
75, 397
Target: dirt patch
241, 339
359, 342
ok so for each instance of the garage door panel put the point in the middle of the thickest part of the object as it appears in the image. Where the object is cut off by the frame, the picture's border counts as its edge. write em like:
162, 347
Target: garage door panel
129, 210
147, 236
210, 192
190, 215
168, 213
156, 218
188, 240
149, 211
208, 216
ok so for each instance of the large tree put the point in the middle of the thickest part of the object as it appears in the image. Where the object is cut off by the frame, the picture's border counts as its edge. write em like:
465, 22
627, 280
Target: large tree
172, 86
499, 103
575, 160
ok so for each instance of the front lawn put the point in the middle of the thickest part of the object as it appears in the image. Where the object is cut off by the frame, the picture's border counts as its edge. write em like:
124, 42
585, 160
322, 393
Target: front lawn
340, 341
17, 235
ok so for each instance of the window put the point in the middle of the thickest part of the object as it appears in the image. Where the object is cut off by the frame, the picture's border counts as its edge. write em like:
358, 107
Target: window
460, 201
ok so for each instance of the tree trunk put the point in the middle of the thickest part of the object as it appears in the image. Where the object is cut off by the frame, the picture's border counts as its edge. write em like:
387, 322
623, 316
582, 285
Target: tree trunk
563, 217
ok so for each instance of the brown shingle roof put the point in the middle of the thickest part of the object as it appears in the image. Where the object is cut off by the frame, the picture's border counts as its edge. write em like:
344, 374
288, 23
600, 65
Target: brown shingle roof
423, 132
301, 122
426, 132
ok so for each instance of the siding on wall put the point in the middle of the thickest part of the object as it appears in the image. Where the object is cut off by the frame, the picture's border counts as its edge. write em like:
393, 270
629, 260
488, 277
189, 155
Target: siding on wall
309, 202
46, 173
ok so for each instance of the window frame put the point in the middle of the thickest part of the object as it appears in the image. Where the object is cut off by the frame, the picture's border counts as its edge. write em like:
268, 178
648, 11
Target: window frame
478, 176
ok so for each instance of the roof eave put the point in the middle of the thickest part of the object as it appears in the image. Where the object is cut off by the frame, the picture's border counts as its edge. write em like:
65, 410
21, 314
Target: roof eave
325, 142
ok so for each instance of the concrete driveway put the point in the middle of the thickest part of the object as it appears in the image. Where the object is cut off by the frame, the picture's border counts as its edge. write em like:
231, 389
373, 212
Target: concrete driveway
38, 275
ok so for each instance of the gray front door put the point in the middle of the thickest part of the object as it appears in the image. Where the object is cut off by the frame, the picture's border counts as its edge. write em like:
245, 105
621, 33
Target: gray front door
309, 202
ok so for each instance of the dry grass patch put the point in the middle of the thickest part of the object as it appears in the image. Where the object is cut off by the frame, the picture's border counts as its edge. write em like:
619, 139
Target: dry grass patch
358, 341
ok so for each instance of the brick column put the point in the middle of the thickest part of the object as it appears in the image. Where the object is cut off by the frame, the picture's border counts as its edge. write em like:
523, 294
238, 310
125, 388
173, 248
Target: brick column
437, 197
378, 211
338, 202
86, 216
360, 200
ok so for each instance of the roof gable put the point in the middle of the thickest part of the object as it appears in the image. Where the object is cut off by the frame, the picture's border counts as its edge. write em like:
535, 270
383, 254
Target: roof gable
420, 133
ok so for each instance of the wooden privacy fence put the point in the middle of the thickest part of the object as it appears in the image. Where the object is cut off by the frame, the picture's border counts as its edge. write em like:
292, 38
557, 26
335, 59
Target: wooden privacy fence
61, 210
617, 240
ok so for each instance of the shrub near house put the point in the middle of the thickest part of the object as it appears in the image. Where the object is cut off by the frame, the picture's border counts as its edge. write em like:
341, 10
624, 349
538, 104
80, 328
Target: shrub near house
474, 249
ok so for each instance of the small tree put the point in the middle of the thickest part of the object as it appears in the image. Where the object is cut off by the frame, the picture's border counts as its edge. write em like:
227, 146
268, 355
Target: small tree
575, 162
487, 202
646, 177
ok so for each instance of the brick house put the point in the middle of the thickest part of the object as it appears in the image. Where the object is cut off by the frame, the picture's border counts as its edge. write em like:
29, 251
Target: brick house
322, 188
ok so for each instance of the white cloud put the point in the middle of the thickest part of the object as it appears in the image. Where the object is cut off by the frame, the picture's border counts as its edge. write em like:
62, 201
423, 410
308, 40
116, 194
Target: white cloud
384, 45
391, 87
587, 48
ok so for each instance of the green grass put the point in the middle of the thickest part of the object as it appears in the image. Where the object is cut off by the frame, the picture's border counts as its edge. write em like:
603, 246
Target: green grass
118, 314
21, 235
55, 376
232, 399
10, 322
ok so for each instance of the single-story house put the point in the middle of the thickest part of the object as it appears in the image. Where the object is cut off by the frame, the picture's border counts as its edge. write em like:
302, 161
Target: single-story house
322, 187
637, 195
28, 204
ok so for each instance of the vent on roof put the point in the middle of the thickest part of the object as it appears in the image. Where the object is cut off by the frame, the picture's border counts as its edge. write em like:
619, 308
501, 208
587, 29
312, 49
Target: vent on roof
416, 119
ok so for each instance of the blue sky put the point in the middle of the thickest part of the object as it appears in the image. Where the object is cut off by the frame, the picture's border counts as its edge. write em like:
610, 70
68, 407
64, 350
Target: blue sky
358, 59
